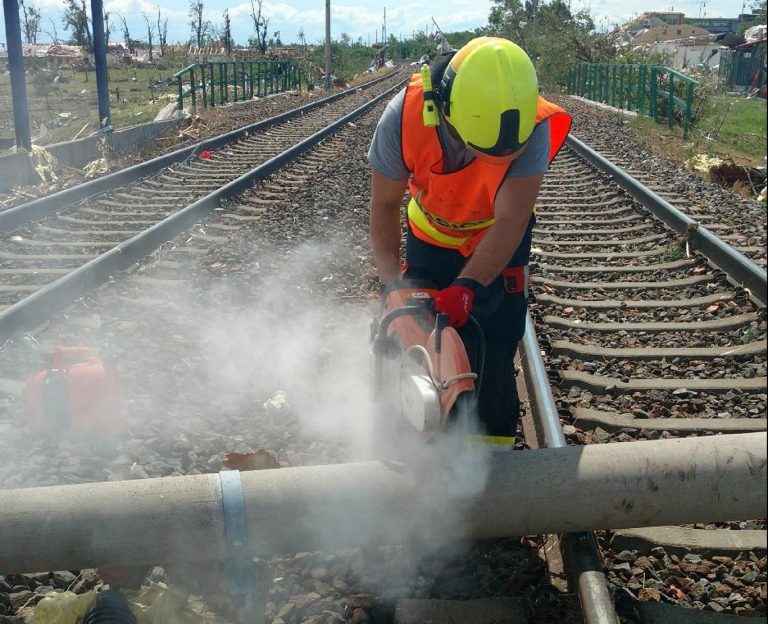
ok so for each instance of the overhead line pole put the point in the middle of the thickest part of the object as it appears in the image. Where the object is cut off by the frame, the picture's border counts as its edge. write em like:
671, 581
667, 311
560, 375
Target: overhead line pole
16, 66
327, 83
100, 60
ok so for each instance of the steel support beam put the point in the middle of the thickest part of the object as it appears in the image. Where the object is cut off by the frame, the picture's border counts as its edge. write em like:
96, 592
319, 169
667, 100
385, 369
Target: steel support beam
100, 60
571, 489
16, 67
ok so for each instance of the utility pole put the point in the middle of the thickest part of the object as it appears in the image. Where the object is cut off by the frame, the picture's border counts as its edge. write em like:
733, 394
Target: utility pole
327, 83
16, 67
384, 36
100, 60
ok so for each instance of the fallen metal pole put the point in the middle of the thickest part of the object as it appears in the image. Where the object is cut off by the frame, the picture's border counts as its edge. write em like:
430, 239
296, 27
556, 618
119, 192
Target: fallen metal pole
161, 521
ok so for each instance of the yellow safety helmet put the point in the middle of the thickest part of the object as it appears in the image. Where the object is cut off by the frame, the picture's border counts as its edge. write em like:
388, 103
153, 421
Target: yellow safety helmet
489, 94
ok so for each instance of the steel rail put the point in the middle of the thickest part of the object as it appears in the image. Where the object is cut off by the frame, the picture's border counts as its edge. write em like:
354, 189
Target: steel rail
16, 217
581, 553
735, 264
39, 306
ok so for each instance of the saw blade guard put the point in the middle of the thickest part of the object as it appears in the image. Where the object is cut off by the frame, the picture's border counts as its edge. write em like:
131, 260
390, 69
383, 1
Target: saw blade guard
420, 361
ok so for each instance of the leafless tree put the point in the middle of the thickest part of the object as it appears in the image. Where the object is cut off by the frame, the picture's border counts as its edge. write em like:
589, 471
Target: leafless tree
200, 27
162, 31
260, 24
226, 33
31, 16
150, 35
126, 34
53, 35
108, 28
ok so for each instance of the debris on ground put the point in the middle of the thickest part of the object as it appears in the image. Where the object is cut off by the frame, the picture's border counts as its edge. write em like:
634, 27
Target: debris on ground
726, 172
155, 604
95, 168
43, 163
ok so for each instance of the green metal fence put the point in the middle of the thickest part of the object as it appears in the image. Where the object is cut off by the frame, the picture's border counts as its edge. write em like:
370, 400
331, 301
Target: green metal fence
216, 83
658, 91
743, 68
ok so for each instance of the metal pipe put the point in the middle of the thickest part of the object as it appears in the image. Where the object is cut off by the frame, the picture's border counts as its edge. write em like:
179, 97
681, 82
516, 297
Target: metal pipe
16, 67
161, 521
578, 549
100, 60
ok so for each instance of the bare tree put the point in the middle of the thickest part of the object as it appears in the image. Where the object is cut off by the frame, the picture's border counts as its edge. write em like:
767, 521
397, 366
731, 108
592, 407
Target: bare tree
126, 34
150, 35
302, 37
162, 31
199, 26
108, 29
226, 33
32, 17
260, 24
53, 35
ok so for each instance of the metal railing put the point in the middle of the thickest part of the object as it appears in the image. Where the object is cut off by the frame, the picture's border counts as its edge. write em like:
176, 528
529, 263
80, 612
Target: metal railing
221, 82
655, 90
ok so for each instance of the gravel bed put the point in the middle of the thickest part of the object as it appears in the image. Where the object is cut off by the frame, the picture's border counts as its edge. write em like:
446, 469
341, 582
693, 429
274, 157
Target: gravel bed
660, 253
633, 294
239, 348
637, 276
679, 403
608, 132
718, 368
257, 344
209, 122
670, 339
719, 310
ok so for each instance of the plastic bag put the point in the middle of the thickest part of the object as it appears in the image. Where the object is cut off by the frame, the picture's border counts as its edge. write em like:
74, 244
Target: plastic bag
157, 604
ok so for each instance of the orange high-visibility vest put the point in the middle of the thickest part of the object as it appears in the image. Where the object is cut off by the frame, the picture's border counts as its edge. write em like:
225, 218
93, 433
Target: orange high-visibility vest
455, 210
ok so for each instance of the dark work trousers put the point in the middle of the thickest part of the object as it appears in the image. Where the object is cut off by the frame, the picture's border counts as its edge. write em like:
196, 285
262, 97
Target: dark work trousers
501, 316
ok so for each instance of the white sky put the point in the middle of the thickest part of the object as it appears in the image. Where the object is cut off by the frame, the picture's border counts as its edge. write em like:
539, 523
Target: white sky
359, 19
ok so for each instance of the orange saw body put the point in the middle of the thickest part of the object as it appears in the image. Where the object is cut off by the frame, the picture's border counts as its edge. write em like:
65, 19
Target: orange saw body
421, 367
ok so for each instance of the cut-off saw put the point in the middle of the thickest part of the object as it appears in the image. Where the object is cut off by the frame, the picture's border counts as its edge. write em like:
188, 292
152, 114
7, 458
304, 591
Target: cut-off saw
422, 369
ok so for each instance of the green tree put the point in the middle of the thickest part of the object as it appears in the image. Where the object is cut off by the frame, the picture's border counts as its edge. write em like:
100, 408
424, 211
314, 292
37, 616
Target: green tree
555, 38
759, 9
75, 19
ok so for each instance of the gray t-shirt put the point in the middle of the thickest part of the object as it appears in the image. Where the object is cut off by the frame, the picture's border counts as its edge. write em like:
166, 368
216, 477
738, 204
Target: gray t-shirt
386, 156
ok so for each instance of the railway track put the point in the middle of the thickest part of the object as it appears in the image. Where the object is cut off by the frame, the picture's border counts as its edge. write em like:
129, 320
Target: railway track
646, 339
218, 355
49, 238
740, 223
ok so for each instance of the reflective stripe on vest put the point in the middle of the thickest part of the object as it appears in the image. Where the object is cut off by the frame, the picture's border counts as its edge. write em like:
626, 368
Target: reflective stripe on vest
421, 219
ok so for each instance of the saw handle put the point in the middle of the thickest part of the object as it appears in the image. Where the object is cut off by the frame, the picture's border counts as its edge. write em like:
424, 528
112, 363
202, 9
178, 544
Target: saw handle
473, 325
441, 322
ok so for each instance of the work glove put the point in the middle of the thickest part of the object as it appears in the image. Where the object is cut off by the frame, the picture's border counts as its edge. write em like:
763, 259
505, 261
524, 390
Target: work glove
456, 300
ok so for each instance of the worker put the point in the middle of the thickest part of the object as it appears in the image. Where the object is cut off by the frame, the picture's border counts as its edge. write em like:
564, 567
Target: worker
471, 140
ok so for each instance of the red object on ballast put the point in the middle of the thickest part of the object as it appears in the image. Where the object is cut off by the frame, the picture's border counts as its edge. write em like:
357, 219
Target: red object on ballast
76, 392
